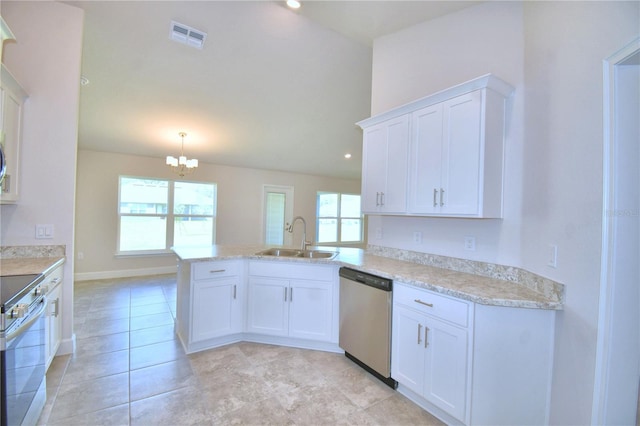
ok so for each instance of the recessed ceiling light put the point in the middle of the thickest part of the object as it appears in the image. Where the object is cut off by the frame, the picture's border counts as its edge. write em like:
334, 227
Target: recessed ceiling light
347, 155
294, 4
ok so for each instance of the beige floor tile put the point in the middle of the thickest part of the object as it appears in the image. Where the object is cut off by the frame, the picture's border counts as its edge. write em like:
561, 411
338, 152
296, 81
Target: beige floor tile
361, 387
92, 395
155, 308
214, 364
266, 412
316, 404
401, 411
290, 374
147, 336
101, 344
112, 416
92, 327
88, 367
153, 320
258, 353
161, 378
180, 407
157, 353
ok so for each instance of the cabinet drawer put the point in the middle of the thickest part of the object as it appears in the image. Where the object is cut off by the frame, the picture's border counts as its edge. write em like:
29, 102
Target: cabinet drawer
209, 270
54, 278
293, 270
428, 302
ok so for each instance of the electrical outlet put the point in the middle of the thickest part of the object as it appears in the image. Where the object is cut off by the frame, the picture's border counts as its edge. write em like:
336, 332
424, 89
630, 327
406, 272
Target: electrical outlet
470, 243
553, 256
417, 237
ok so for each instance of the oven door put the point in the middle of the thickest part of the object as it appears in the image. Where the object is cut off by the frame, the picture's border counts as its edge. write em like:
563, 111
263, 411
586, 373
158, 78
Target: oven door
23, 368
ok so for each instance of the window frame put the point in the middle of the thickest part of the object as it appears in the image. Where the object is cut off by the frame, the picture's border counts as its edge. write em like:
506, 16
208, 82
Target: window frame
169, 216
338, 218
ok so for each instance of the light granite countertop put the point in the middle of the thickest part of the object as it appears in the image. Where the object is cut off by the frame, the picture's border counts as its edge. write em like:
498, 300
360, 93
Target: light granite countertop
475, 288
30, 265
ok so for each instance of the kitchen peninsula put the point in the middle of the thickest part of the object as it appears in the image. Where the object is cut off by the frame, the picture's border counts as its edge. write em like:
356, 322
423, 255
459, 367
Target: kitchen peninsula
490, 346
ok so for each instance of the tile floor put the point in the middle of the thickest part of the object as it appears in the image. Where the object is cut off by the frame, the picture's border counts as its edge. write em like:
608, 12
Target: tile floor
130, 369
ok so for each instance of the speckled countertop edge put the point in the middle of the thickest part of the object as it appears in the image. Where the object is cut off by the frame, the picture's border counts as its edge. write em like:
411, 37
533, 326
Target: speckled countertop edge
472, 287
26, 260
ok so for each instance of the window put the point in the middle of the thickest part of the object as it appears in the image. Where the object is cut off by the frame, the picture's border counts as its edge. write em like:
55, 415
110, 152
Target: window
339, 218
156, 214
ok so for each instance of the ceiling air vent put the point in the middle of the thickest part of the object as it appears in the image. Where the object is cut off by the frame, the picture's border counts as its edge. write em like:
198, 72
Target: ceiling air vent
186, 35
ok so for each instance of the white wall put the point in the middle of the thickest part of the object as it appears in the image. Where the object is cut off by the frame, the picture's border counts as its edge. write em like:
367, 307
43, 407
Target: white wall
46, 61
552, 53
239, 218
430, 57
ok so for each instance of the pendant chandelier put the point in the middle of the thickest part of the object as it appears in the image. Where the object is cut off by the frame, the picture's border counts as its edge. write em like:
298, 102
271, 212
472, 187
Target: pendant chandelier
181, 165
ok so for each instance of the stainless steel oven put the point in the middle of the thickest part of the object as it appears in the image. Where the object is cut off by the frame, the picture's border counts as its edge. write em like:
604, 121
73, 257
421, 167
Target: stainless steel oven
22, 349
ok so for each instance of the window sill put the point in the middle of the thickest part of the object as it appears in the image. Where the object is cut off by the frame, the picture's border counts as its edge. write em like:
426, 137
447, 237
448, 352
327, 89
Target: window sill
155, 253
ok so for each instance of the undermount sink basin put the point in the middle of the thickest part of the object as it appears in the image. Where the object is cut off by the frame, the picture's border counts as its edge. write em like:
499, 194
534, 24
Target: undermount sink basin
311, 254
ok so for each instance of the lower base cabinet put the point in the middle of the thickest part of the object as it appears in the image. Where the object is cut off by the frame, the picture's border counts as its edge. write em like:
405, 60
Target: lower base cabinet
289, 301
472, 364
286, 303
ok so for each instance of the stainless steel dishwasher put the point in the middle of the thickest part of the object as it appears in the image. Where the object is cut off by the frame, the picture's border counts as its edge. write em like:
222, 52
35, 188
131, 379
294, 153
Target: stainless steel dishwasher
365, 322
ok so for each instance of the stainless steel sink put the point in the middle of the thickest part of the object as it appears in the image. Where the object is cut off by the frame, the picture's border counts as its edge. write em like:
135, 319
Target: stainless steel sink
310, 254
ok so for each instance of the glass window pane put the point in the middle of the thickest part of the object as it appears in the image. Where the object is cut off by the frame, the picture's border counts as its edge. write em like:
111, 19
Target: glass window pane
192, 198
350, 206
327, 205
192, 231
274, 227
327, 230
143, 196
350, 230
142, 233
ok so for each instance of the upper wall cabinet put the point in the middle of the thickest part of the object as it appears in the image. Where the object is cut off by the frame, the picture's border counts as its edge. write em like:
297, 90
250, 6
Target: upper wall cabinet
12, 98
454, 163
384, 166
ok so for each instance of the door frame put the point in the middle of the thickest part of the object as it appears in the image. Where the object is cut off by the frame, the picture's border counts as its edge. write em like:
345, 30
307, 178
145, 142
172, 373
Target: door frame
609, 221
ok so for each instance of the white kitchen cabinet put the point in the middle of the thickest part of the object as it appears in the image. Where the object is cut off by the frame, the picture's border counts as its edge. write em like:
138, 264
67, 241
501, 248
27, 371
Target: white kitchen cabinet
451, 160
384, 166
12, 98
456, 157
209, 303
460, 360
429, 355
53, 316
294, 300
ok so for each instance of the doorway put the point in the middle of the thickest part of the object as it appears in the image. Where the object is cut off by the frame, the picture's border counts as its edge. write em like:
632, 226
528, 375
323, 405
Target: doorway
617, 377
277, 209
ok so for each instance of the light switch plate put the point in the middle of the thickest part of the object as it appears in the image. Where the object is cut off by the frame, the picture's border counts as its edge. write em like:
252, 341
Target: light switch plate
44, 232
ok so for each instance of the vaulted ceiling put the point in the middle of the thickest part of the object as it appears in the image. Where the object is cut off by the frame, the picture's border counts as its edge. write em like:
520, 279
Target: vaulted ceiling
272, 88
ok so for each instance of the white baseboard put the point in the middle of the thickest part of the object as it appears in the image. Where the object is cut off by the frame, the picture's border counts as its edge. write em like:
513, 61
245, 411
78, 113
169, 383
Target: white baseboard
124, 273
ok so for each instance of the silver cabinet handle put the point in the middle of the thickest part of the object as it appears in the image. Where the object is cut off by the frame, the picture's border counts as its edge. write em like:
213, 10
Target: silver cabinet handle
234, 291
441, 192
423, 303
291, 294
285, 294
55, 281
57, 306
426, 337
435, 193
217, 271
377, 199
419, 332
382, 198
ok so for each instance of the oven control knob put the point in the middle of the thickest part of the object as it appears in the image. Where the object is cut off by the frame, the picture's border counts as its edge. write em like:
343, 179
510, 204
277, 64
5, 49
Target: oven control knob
19, 310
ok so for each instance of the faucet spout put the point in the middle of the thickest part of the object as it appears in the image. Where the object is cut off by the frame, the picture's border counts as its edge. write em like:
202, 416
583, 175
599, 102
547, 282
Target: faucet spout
303, 245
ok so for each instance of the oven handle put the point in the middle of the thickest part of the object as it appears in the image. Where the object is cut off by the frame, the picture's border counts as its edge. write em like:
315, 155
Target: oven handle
27, 323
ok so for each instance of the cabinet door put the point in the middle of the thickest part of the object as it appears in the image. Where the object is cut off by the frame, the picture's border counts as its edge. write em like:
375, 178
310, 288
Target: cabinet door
215, 307
425, 193
446, 366
462, 154
267, 308
384, 166
310, 309
408, 351
54, 322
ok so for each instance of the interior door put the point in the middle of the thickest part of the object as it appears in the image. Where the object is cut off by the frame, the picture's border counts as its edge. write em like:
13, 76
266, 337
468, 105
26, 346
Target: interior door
276, 211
